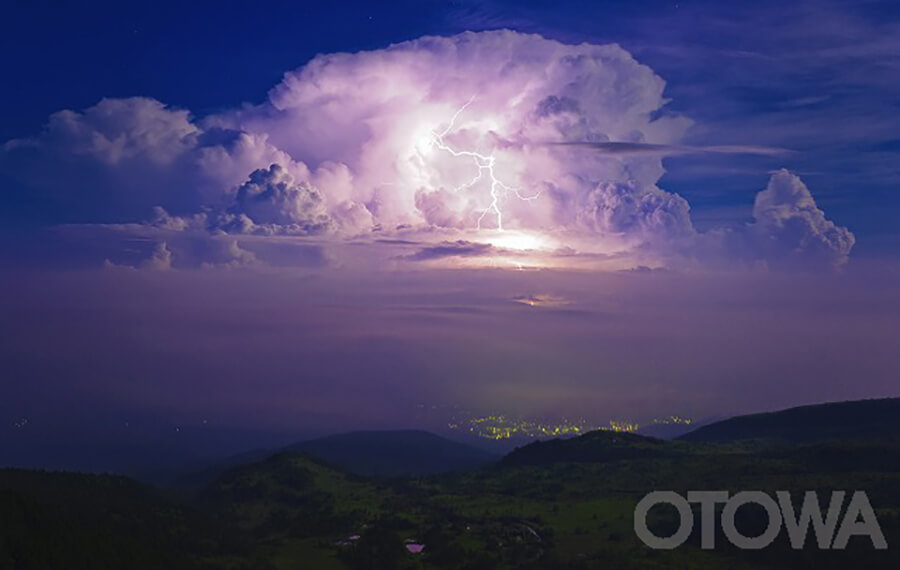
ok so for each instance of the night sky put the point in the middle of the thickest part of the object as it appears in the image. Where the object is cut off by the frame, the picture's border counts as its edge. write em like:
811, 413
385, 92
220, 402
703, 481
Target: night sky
252, 222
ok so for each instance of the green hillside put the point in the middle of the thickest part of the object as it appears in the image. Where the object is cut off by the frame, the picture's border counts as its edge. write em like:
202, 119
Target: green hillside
556, 505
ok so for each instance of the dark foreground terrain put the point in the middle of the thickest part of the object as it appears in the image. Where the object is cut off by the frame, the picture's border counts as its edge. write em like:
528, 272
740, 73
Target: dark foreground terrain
563, 504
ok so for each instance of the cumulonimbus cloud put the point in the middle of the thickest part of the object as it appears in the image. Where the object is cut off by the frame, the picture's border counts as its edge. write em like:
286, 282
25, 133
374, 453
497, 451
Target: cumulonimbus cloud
790, 229
440, 134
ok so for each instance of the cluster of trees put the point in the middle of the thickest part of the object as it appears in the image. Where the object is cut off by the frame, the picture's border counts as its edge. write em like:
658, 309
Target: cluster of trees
66, 520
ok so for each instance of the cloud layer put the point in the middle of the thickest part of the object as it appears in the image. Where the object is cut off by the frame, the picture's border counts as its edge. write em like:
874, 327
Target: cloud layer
434, 136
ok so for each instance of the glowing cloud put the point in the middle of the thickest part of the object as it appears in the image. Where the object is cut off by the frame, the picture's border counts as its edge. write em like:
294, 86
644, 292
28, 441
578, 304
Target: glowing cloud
474, 137
485, 164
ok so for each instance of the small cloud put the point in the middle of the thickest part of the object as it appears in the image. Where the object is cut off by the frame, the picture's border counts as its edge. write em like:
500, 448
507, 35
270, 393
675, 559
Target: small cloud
791, 230
161, 259
647, 269
541, 300
459, 248
800, 102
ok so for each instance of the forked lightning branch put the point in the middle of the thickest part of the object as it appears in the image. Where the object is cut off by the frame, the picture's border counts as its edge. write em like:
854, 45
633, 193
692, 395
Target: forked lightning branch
485, 164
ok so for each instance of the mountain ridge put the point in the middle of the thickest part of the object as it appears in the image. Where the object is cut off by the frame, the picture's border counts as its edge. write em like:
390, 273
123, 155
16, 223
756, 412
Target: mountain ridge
392, 453
847, 420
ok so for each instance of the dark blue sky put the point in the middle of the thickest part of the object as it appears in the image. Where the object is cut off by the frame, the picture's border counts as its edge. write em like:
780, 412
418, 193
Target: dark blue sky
206, 56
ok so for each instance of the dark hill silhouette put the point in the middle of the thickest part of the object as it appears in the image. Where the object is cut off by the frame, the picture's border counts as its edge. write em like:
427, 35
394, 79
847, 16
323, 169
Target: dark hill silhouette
394, 453
75, 520
593, 447
863, 419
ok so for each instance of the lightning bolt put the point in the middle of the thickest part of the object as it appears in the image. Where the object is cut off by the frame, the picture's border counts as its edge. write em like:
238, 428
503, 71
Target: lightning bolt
485, 165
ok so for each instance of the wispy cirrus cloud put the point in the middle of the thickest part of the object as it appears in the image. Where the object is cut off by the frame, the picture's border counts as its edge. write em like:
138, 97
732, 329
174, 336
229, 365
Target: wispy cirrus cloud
650, 149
